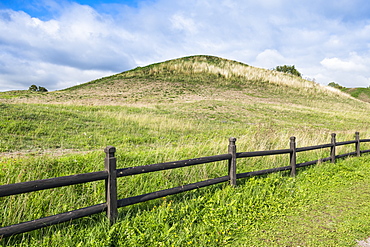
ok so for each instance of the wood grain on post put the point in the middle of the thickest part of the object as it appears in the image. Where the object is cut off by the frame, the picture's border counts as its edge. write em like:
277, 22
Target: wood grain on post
332, 149
111, 184
232, 161
357, 145
293, 156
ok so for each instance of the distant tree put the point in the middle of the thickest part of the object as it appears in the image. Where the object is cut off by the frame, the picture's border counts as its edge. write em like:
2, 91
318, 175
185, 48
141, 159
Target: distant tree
289, 69
33, 88
335, 85
42, 89
37, 89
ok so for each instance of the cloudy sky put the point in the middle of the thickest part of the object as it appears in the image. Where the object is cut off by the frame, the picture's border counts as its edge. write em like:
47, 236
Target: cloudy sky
58, 44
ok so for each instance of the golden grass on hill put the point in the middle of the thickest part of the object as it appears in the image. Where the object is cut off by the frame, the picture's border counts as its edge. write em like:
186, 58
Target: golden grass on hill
231, 69
188, 79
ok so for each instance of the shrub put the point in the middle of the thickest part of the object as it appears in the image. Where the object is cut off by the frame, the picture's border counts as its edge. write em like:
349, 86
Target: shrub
289, 70
42, 89
33, 88
37, 89
335, 85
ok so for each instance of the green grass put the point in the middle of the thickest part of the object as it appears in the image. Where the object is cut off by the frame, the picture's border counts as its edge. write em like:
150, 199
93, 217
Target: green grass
43, 127
18, 94
317, 208
168, 112
359, 93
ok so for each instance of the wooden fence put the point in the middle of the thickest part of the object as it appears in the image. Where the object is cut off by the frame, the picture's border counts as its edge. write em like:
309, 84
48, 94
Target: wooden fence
110, 175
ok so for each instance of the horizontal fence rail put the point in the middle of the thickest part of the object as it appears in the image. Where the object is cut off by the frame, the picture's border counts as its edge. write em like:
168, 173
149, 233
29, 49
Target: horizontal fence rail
110, 175
52, 220
313, 147
170, 165
19, 188
262, 153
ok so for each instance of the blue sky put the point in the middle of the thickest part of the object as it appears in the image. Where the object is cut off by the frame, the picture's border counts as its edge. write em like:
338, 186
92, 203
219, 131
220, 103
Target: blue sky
58, 44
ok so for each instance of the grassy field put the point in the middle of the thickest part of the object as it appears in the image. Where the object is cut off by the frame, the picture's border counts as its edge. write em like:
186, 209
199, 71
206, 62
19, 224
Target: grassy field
183, 109
358, 93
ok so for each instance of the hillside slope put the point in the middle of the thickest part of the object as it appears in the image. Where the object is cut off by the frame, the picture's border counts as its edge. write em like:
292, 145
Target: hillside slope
207, 87
359, 93
199, 77
187, 79
182, 109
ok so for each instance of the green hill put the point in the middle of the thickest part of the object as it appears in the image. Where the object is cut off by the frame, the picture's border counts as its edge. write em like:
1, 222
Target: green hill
226, 94
203, 84
202, 77
182, 79
181, 109
358, 93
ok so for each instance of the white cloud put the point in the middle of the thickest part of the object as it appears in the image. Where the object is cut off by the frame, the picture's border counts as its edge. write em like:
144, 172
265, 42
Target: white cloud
270, 59
21, 74
353, 63
338, 64
80, 43
183, 23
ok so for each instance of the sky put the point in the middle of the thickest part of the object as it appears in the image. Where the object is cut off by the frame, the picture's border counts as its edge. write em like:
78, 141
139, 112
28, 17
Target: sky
59, 44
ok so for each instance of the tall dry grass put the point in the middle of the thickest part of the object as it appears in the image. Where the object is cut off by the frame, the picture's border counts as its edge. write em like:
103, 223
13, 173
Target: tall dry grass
229, 69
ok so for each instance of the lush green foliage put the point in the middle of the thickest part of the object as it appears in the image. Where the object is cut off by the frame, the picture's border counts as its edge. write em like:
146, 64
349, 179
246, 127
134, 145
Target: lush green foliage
335, 85
289, 69
35, 88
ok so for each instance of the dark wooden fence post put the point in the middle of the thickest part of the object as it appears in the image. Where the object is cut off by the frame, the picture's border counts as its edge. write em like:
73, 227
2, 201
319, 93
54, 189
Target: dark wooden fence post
332, 149
111, 184
232, 161
293, 156
358, 151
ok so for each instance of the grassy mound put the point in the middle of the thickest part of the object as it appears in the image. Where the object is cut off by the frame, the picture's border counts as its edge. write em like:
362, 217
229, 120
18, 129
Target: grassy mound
182, 80
181, 109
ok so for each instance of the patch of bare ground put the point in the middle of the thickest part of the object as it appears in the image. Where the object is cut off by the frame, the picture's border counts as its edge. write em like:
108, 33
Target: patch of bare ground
364, 243
50, 152
364, 97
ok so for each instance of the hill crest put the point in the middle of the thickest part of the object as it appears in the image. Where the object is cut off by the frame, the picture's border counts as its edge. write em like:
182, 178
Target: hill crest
189, 79
204, 69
